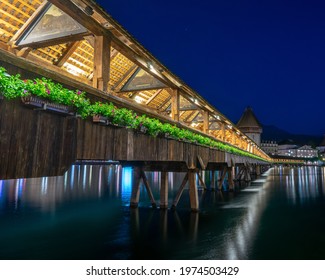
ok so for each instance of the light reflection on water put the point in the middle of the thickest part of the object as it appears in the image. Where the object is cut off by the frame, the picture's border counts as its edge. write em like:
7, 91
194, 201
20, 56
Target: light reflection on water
85, 214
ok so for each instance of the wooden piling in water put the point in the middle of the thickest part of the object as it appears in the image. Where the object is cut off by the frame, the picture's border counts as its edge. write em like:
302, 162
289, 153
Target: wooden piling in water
194, 199
164, 190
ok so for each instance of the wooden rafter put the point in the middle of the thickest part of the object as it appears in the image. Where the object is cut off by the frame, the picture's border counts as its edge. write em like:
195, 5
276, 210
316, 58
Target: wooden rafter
122, 79
190, 115
154, 96
67, 53
164, 103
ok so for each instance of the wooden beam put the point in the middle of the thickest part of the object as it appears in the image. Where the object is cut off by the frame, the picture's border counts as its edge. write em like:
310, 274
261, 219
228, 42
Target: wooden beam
223, 137
147, 186
189, 108
201, 180
223, 175
194, 198
57, 41
101, 62
23, 52
120, 81
180, 191
135, 194
206, 123
67, 53
164, 103
190, 115
138, 59
231, 184
175, 98
164, 190
213, 180
154, 96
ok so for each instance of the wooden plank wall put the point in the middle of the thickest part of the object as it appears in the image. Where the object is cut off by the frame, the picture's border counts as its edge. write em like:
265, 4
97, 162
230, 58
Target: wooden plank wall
34, 143
37, 143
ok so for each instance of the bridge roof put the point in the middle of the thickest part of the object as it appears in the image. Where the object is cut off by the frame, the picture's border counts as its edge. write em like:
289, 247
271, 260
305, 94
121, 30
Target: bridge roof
62, 35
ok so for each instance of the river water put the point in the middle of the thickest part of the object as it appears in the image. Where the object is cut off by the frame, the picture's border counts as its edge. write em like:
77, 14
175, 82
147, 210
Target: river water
85, 214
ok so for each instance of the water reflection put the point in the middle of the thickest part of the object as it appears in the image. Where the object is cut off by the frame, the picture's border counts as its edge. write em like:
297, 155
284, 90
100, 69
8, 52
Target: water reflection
85, 214
237, 241
47, 193
303, 184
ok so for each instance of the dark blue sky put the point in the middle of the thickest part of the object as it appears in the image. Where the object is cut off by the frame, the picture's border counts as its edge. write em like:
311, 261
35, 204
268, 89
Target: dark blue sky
266, 54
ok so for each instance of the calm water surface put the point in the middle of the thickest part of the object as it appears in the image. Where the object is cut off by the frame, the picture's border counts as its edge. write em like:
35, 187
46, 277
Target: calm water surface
85, 214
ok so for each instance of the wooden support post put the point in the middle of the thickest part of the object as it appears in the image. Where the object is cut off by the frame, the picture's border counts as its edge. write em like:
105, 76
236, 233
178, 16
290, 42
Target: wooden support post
231, 184
194, 199
233, 139
102, 56
213, 180
201, 180
175, 104
247, 173
206, 123
223, 138
240, 174
223, 175
164, 190
147, 186
180, 191
135, 195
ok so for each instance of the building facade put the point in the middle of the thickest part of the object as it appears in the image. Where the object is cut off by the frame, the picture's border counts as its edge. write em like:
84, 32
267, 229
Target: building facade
270, 147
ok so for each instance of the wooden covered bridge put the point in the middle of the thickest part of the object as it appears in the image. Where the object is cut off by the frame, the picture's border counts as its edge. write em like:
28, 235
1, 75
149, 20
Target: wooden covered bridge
76, 44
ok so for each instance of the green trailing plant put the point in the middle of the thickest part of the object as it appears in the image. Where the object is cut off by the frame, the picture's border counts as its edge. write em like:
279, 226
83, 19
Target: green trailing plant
104, 109
11, 86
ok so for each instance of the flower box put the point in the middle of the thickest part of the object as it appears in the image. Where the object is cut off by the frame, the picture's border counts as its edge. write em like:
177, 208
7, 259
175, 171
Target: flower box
101, 120
42, 104
142, 129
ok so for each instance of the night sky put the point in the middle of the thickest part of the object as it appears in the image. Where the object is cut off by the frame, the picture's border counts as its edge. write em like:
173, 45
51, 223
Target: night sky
265, 54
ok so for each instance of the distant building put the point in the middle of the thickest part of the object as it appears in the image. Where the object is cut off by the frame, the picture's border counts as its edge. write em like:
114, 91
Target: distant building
270, 147
287, 148
249, 125
307, 152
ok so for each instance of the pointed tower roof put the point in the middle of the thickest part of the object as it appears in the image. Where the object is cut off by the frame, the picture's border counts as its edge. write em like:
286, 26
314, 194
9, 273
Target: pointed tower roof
248, 119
